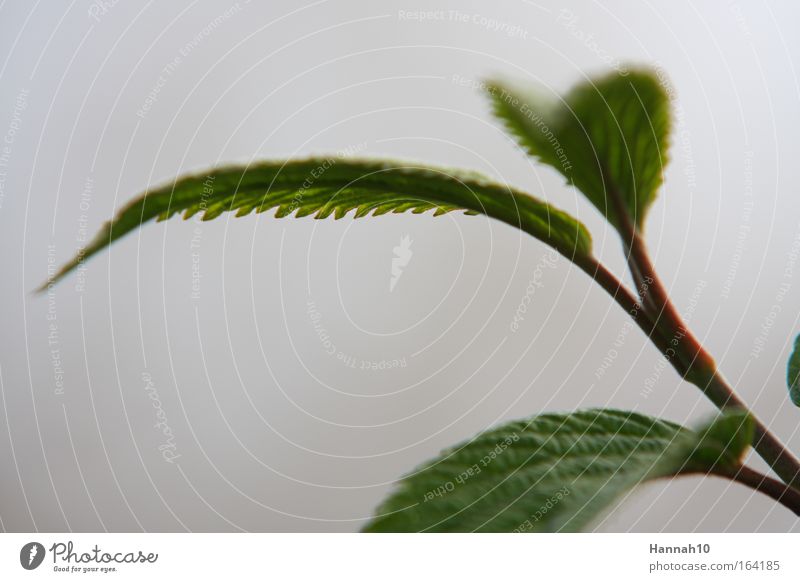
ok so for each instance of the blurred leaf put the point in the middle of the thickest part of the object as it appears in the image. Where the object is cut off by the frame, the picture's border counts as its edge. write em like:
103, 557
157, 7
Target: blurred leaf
724, 441
793, 373
607, 136
554, 472
334, 186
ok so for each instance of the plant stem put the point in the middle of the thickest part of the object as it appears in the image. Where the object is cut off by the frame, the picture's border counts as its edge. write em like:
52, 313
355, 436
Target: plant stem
686, 354
701, 370
780, 492
664, 313
657, 317
766, 444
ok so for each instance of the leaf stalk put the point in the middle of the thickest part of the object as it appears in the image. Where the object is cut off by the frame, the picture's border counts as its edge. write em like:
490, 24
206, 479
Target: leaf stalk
657, 316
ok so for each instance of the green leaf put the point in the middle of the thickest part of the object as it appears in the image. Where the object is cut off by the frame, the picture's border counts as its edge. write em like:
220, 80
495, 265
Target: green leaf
607, 136
554, 472
793, 373
723, 442
334, 186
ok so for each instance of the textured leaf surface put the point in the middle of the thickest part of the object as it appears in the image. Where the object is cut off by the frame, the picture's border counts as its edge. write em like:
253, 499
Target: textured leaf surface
607, 136
554, 472
325, 187
793, 373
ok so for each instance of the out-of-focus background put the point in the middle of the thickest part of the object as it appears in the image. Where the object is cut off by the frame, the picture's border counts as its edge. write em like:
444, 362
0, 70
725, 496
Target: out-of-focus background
256, 374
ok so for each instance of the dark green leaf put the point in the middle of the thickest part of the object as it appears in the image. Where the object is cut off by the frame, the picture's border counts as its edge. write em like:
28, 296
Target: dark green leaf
793, 373
333, 186
554, 472
607, 136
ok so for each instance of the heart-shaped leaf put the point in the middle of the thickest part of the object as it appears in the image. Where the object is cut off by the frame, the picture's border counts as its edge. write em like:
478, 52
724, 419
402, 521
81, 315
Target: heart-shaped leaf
555, 472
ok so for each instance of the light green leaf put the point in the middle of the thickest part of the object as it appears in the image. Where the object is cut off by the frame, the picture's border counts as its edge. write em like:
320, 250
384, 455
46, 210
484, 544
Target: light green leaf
607, 136
554, 472
723, 442
793, 373
334, 186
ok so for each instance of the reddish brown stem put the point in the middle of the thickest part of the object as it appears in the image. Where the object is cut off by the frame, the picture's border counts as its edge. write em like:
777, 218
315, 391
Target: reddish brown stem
780, 492
666, 329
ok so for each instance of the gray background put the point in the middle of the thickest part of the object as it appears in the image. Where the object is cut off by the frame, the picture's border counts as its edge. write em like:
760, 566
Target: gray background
272, 432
